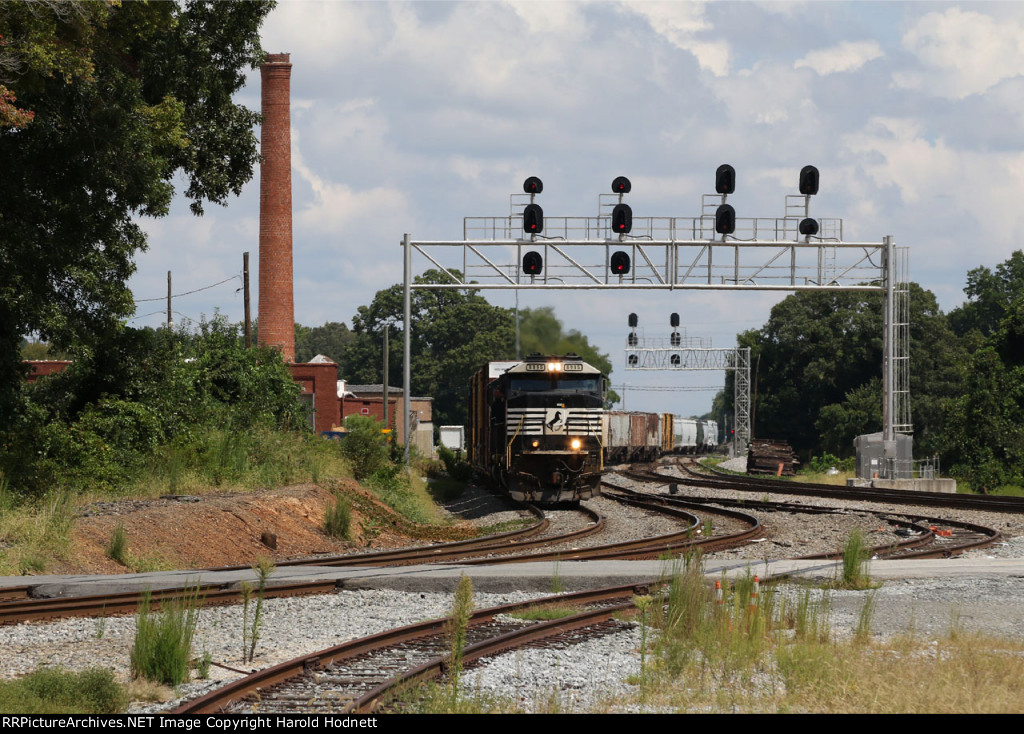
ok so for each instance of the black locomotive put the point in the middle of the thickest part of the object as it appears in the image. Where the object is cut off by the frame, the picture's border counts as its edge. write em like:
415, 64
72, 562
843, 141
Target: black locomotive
536, 427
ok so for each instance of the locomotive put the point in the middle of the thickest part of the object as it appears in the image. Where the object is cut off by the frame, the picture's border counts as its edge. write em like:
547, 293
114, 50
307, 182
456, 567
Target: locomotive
536, 427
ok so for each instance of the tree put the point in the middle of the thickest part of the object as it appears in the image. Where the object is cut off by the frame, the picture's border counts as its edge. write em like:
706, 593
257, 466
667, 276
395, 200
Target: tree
820, 358
984, 437
454, 333
122, 97
331, 340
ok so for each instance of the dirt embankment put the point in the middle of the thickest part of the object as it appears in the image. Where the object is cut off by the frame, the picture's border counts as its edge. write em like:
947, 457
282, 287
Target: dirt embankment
235, 529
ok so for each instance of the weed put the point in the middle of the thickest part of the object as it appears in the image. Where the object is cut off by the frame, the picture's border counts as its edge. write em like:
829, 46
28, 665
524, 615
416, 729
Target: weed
203, 666
264, 568
867, 613
370, 529
163, 643
643, 603
856, 553
338, 518
458, 624
117, 549
708, 529
246, 591
101, 624
557, 587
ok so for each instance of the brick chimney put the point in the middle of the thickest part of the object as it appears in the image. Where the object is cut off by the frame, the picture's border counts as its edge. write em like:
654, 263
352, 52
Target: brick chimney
276, 306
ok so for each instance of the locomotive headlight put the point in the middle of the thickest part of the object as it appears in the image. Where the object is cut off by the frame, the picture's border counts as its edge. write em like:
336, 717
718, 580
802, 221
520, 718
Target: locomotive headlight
536, 444
554, 366
576, 443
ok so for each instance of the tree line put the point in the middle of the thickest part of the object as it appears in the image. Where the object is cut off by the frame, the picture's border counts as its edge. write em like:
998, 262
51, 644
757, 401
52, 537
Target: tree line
816, 374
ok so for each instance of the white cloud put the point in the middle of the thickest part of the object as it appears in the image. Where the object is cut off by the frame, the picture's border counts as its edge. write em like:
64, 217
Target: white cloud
681, 24
846, 56
337, 206
962, 52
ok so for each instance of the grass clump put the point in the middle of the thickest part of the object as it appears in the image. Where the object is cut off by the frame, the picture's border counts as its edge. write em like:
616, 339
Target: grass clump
251, 629
856, 554
162, 649
59, 691
338, 518
117, 549
545, 613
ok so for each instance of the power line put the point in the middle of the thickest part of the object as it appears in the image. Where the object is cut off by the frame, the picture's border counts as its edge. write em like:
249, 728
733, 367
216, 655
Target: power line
187, 293
666, 388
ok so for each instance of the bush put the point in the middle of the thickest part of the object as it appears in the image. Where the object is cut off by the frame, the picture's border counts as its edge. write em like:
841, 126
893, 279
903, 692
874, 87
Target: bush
457, 468
58, 691
365, 446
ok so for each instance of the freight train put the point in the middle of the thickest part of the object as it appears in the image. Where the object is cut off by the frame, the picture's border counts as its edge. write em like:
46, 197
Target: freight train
538, 429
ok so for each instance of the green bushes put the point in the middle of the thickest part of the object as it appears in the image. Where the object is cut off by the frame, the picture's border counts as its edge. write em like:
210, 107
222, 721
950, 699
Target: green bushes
365, 446
98, 424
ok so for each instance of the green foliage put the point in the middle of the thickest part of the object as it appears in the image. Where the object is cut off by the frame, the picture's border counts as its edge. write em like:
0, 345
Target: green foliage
338, 519
113, 101
821, 464
817, 362
457, 467
58, 691
365, 446
251, 629
162, 647
109, 415
331, 340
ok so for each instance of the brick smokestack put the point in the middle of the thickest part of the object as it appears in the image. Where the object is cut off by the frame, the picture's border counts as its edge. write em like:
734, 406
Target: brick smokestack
276, 307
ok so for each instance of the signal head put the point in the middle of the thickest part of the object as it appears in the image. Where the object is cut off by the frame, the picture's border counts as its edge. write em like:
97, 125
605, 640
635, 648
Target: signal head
533, 219
533, 185
621, 185
620, 263
622, 219
673, 320
725, 179
808, 180
809, 226
533, 263
633, 321
725, 219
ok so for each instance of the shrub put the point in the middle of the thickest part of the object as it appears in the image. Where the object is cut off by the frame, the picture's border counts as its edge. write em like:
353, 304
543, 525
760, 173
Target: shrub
55, 691
457, 468
365, 446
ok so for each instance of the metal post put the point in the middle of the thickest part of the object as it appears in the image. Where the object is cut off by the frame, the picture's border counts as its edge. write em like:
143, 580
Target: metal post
385, 375
406, 368
170, 321
888, 413
245, 291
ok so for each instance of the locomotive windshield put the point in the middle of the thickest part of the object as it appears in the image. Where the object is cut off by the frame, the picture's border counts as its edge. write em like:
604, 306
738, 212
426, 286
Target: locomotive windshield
532, 383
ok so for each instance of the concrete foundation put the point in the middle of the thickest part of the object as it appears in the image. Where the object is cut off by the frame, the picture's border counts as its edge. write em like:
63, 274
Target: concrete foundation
946, 486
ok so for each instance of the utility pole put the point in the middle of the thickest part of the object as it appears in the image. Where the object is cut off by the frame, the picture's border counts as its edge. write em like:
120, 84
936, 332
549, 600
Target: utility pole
387, 328
245, 289
170, 321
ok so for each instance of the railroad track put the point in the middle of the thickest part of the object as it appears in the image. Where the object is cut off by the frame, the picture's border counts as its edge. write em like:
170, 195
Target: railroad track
360, 675
502, 548
922, 536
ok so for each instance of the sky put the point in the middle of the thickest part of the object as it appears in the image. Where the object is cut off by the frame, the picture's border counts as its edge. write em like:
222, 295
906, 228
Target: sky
408, 117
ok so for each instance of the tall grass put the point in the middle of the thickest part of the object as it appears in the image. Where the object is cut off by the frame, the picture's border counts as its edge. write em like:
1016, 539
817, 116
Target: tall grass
163, 641
338, 518
457, 628
856, 553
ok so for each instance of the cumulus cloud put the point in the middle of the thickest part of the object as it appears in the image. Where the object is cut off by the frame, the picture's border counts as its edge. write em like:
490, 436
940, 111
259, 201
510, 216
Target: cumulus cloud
683, 25
846, 56
962, 53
